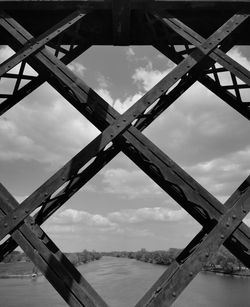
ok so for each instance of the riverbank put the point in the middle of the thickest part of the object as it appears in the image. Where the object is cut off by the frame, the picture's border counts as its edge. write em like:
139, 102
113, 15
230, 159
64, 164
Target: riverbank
241, 274
17, 270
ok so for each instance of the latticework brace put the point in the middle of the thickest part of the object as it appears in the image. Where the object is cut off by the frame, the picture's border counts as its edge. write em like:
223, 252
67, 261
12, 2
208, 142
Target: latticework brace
72, 28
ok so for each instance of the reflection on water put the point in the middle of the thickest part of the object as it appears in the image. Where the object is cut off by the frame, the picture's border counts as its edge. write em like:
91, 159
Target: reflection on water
122, 282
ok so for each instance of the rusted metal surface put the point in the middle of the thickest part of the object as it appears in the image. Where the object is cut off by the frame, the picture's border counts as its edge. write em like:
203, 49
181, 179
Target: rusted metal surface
222, 224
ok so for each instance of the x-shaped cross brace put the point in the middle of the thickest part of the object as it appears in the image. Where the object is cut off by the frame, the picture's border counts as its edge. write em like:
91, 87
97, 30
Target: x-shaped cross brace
101, 114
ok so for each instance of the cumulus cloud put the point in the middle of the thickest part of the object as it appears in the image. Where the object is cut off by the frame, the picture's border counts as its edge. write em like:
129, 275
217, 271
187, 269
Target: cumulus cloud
157, 214
146, 77
118, 104
129, 222
72, 216
129, 184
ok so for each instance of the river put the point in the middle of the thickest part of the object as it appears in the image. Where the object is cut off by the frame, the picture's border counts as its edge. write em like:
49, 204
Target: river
122, 282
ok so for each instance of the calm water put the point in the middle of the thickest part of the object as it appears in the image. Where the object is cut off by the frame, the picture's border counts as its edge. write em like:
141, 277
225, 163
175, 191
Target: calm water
122, 282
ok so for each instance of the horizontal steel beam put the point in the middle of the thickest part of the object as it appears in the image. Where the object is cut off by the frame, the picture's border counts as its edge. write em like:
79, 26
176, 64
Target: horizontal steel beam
135, 4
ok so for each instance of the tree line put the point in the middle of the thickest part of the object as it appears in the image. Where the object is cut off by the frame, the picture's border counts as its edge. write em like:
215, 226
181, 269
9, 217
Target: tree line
75, 258
223, 261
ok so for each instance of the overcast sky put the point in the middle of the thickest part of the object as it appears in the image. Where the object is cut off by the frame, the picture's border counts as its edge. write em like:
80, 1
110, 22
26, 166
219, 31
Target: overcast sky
121, 208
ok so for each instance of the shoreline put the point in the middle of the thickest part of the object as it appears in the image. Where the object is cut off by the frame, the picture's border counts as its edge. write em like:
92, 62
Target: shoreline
221, 273
20, 276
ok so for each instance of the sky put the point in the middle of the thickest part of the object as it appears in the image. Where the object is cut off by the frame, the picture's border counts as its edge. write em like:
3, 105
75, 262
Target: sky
121, 208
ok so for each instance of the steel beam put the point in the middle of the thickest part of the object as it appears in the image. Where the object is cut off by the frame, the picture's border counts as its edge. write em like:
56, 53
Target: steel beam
82, 94
63, 276
173, 189
202, 248
222, 224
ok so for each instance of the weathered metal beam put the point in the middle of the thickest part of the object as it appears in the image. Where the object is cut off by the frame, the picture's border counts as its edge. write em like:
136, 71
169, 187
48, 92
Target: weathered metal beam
202, 248
196, 200
39, 80
35, 44
136, 4
169, 183
217, 55
50, 261
80, 91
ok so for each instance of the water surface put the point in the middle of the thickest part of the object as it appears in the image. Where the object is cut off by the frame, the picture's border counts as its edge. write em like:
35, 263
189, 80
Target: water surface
122, 282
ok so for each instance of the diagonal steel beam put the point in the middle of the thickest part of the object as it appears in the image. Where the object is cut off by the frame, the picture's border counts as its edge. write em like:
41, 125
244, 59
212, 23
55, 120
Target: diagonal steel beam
208, 82
217, 55
35, 44
64, 79
39, 80
64, 277
173, 188
202, 248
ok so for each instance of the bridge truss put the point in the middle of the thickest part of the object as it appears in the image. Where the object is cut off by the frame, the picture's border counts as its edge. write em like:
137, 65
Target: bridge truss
193, 34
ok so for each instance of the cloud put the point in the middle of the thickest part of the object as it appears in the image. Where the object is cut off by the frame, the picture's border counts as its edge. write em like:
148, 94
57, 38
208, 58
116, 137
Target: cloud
156, 214
119, 105
72, 216
129, 184
77, 68
103, 81
146, 77
128, 222
130, 52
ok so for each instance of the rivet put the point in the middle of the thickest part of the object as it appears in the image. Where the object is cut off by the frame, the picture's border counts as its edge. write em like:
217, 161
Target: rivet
118, 126
14, 217
27, 210
227, 224
222, 236
244, 210
111, 135
124, 120
191, 274
46, 194
234, 217
207, 254
6, 225
174, 294
63, 178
